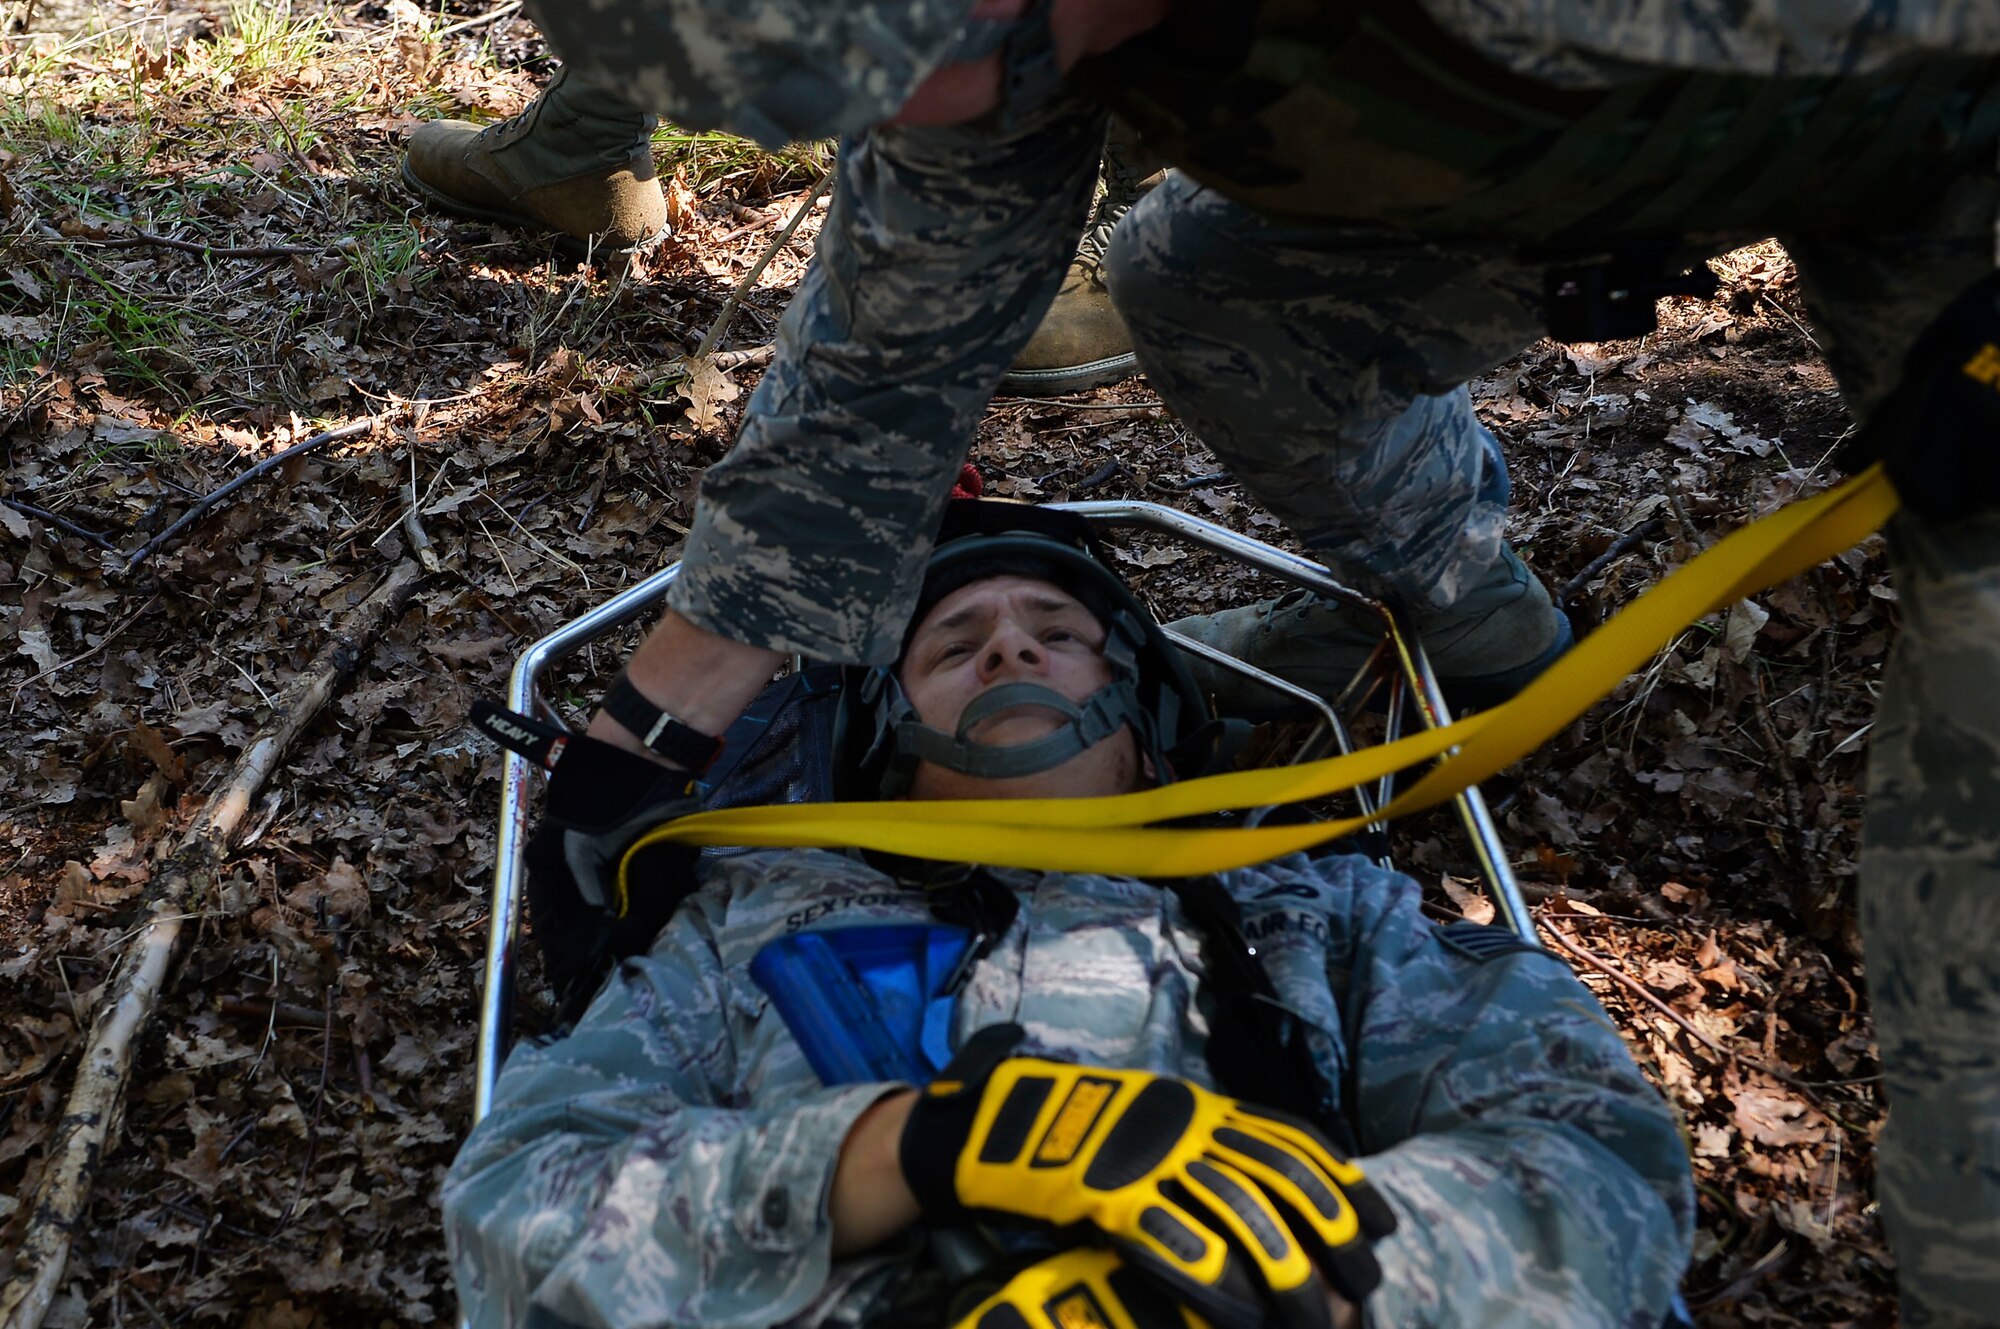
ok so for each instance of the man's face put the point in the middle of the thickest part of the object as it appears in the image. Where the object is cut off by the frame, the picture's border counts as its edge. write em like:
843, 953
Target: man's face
1013, 630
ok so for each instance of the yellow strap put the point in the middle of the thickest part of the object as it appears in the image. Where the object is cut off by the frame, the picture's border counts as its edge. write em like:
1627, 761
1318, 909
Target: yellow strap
1112, 835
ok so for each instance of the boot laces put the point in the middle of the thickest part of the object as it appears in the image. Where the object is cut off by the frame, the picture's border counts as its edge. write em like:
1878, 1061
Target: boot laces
1104, 218
502, 132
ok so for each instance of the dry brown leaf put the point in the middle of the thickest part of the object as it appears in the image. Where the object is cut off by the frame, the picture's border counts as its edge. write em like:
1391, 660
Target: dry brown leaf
1470, 901
143, 810
461, 652
707, 390
1775, 1118
343, 889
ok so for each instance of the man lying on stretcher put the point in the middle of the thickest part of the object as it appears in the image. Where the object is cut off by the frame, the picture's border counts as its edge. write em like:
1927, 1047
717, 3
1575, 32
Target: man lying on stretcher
838, 1090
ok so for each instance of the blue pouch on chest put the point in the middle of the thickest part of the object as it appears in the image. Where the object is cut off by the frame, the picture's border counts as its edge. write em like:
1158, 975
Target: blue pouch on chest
868, 1003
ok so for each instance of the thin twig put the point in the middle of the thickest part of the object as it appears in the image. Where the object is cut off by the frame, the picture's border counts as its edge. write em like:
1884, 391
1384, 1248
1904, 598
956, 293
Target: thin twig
275, 1013
145, 238
62, 524
1623, 545
319, 1108
102, 642
420, 539
714, 333
467, 25
1645, 994
264, 467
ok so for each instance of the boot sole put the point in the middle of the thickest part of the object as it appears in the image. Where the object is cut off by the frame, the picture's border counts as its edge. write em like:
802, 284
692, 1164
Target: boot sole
520, 221
1070, 378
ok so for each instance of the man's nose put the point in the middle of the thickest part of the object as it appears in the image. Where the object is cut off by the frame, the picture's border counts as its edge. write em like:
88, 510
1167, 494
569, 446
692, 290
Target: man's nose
1009, 649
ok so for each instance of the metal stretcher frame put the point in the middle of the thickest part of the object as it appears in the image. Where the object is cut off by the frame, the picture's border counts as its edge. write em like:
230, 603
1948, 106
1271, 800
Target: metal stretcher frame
1412, 670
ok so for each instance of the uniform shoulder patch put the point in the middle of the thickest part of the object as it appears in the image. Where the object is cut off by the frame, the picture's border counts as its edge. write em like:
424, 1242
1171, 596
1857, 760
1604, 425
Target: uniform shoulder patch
1481, 942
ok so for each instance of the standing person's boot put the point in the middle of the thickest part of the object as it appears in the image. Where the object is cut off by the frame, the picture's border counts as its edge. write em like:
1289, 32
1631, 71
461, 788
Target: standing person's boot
1082, 342
578, 160
1489, 644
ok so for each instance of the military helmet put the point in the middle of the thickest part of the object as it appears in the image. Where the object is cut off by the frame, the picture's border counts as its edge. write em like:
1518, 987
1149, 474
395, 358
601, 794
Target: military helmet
881, 740
783, 71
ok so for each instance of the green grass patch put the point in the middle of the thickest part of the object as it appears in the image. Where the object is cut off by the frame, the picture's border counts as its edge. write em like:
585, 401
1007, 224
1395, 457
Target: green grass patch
713, 159
266, 37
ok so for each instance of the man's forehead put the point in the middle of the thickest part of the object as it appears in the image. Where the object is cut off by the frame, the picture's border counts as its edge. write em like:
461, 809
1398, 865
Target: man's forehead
989, 594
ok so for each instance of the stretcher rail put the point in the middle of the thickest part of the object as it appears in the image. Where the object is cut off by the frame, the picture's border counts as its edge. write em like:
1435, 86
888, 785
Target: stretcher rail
1412, 670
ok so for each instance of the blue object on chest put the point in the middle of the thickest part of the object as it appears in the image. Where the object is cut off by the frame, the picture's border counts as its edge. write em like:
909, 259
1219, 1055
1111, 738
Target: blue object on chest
868, 1003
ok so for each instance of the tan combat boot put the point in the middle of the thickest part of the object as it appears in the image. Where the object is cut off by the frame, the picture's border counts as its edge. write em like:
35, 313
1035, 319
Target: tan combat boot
1082, 342
577, 161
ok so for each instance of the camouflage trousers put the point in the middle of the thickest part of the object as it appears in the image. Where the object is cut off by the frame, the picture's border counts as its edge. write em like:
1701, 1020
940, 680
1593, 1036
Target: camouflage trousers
1930, 862
1327, 366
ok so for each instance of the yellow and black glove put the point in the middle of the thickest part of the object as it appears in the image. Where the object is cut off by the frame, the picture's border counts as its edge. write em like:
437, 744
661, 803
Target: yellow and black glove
1081, 1289
1240, 1212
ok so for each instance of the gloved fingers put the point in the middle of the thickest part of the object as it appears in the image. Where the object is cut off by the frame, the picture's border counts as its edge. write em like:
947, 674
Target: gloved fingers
1237, 1207
1149, 1302
948, 1115
1232, 1296
1080, 1289
1296, 1179
1343, 1179
1183, 1241
1334, 1222
1224, 1249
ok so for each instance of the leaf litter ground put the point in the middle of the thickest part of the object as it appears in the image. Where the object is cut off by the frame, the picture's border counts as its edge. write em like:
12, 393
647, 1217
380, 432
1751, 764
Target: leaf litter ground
208, 258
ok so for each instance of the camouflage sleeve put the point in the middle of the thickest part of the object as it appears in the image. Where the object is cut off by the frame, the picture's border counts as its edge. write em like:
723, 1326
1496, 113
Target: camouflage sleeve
619, 1181
1598, 41
1538, 1177
939, 256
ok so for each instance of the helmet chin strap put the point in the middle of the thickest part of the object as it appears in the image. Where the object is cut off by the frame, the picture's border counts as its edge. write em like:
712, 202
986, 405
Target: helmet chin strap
908, 741
1084, 726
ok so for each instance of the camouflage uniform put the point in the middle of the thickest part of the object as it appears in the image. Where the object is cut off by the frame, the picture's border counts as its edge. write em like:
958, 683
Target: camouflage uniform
669, 1162
1324, 364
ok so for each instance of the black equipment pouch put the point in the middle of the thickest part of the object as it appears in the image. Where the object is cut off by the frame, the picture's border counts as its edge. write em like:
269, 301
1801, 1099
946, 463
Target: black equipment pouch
602, 798
1938, 430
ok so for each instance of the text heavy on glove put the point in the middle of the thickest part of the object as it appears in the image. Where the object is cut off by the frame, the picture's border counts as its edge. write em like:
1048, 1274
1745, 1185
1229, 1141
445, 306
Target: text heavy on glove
1232, 1207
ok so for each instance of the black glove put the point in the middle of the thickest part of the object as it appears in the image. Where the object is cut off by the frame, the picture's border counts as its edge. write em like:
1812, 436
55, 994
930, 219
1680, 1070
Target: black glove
586, 913
1938, 432
1237, 1211
1081, 1289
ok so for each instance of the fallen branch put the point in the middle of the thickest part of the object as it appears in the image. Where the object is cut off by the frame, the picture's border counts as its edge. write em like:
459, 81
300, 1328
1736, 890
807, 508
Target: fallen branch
753, 355
778, 242
1623, 545
467, 25
89, 1124
264, 467
61, 523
